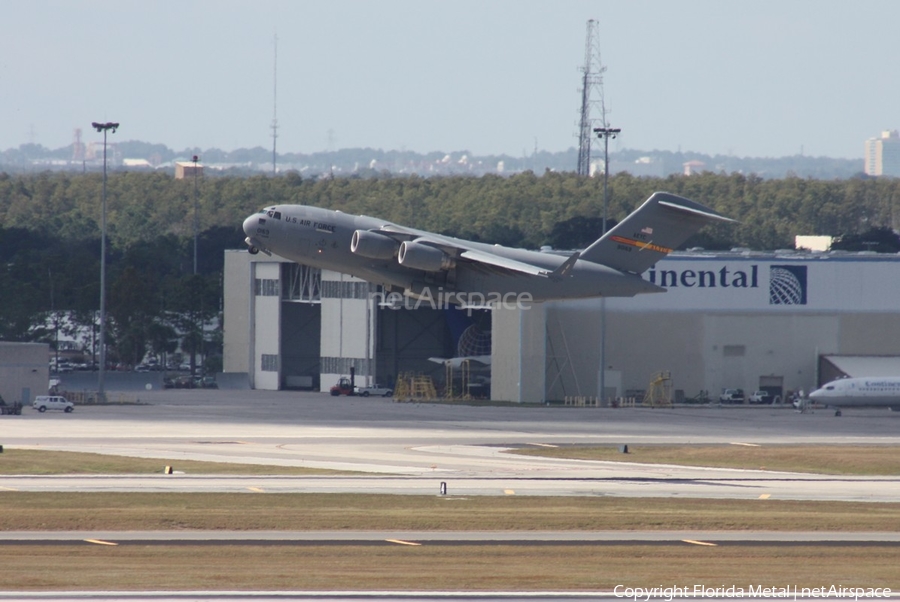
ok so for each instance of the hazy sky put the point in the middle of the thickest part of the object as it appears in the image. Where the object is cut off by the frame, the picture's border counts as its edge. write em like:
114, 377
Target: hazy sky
741, 77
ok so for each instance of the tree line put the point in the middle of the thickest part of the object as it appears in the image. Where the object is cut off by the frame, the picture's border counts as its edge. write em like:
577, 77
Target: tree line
50, 230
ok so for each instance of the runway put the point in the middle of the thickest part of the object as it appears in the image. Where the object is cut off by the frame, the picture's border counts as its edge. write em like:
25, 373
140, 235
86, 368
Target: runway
606, 480
411, 449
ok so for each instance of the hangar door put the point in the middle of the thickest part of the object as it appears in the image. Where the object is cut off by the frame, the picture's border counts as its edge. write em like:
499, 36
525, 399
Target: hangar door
773, 384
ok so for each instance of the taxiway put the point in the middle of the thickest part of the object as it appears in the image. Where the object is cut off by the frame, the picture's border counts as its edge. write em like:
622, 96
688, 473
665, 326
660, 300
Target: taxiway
407, 448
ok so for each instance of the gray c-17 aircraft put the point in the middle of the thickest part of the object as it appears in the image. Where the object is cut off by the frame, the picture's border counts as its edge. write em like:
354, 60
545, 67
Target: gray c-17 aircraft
425, 265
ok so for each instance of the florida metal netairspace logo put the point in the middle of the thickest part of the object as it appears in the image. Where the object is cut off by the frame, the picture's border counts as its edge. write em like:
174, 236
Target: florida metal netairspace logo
787, 285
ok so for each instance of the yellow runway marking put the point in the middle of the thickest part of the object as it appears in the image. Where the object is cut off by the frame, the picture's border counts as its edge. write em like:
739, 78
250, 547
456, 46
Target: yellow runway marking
744, 444
509, 491
543, 444
403, 543
700, 543
765, 496
100, 542
7, 488
256, 489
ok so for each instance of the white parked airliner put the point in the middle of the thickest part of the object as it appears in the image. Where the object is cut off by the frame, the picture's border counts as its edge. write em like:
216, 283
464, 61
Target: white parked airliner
861, 392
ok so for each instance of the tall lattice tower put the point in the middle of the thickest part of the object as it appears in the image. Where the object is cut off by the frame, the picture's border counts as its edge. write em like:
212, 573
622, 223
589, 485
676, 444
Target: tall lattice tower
592, 101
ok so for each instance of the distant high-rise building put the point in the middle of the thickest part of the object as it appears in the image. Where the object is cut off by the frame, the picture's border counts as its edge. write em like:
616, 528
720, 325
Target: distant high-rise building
77, 147
883, 154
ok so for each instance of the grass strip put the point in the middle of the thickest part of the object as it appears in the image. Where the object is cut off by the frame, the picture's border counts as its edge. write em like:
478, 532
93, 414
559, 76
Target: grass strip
820, 459
46, 462
87, 567
44, 511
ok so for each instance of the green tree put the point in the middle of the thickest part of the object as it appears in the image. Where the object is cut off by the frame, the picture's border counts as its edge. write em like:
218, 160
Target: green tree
879, 240
133, 308
193, 301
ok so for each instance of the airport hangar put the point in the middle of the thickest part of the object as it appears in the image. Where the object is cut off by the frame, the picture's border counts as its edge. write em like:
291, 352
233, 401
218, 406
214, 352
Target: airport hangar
24, 371
780, 321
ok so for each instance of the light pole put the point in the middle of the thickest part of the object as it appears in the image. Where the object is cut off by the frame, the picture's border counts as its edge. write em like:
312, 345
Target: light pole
195, 159
604, 133
55, 320
101, 379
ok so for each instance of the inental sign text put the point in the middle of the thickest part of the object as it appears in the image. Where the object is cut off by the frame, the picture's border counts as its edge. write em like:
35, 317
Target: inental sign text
723, 278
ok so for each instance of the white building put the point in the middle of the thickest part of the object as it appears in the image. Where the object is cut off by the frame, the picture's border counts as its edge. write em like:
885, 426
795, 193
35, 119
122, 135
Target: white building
289, 326
883, 154
24, 371
728, 320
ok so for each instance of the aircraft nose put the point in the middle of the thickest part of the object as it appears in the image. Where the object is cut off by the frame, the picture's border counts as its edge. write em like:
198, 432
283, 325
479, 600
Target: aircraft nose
250, 225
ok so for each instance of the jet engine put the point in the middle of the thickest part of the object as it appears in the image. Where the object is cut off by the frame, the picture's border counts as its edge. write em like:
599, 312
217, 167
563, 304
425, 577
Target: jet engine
419, 256
373, 245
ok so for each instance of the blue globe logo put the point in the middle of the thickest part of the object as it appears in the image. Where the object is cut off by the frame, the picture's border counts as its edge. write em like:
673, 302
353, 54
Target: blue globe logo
474, 341
785, 287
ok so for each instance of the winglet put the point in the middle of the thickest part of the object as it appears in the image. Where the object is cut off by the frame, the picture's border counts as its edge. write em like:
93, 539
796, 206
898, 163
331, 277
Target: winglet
565, 268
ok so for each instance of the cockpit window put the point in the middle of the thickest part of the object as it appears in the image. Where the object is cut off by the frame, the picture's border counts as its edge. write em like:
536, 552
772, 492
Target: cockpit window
829, 388
277, 215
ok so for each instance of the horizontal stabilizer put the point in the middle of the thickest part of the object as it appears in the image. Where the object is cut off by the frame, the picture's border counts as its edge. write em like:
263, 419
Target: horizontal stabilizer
652, 231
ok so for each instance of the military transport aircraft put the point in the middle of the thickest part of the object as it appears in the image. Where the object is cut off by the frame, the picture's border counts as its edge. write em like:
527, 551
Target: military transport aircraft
452, 271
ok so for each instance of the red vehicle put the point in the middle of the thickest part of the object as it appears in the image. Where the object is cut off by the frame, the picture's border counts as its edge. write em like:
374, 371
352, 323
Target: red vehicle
344, 386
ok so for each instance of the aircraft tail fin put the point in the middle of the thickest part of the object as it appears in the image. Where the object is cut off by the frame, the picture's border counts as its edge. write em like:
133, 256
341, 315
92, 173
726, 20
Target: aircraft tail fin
651, 232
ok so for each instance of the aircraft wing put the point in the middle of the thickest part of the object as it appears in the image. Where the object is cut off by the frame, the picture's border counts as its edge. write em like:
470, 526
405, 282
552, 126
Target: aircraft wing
458, 248
456, 362
504, 262
649, 233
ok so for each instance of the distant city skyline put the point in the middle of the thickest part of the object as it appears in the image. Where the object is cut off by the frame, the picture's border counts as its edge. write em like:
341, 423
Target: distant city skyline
136, 155
747, 78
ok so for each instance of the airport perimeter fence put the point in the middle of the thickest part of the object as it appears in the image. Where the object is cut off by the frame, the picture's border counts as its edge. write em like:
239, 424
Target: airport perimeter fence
93, 398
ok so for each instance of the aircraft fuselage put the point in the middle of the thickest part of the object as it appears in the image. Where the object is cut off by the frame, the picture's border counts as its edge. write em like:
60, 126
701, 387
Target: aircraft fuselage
323, 239
859, 392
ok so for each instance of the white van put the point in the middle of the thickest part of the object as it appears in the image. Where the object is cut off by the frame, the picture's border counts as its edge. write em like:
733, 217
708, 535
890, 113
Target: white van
42, 403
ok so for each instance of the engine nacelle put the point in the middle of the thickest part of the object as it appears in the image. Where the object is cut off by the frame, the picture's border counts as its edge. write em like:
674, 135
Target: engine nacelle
420, 256
373, 245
